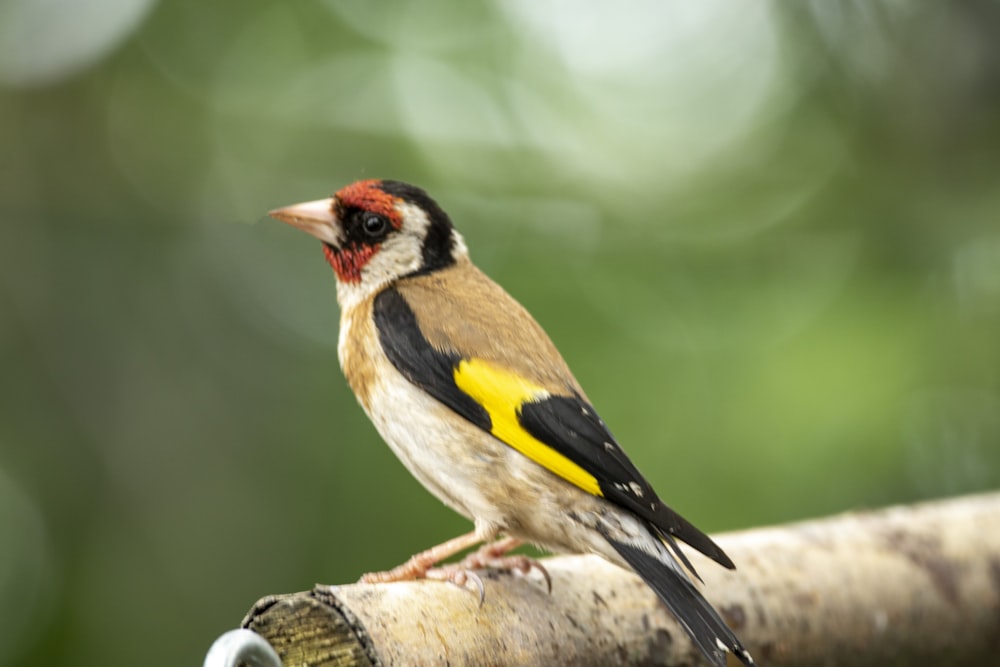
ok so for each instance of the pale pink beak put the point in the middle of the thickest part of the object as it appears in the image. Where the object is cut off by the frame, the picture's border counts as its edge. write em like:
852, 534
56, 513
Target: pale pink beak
313, 217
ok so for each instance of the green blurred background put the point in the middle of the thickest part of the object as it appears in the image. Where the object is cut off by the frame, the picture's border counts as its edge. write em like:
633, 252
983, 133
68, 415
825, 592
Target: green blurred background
765, 235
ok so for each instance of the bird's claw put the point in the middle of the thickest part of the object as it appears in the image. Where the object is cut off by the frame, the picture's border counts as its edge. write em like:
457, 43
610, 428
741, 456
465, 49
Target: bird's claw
516, 563
460, 576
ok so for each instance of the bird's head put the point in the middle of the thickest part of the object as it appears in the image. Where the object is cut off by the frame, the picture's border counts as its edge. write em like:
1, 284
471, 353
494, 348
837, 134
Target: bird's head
374, 232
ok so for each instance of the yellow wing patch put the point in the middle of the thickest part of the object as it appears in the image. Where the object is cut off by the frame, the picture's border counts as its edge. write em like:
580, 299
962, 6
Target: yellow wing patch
501, 393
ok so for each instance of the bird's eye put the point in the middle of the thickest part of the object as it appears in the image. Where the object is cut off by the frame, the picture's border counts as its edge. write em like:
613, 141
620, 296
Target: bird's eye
374, 224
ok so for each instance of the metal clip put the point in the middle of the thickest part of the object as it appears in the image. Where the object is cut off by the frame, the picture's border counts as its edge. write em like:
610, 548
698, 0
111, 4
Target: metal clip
241, 647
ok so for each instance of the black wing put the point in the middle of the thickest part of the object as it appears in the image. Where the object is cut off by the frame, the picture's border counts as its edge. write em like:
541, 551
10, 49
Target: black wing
572, 427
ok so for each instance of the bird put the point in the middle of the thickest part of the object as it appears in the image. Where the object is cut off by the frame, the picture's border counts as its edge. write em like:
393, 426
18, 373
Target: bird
474, 398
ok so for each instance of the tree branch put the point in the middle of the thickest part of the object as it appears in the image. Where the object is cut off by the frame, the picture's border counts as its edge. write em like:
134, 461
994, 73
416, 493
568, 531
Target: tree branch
900, 586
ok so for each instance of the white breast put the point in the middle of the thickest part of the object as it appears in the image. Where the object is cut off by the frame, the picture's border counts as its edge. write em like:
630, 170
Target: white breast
449, 455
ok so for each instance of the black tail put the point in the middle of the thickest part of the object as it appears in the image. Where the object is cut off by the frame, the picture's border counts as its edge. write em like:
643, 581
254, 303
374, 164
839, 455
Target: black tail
709, 632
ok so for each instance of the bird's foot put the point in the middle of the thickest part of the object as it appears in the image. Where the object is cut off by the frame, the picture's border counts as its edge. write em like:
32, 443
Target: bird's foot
419, 565
494, 556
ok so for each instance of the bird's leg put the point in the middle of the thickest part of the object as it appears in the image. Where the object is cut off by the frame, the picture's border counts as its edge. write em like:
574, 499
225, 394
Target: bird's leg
490, 552
492, 555
419, 565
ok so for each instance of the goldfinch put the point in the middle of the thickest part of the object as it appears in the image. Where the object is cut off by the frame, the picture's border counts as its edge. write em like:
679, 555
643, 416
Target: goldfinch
477, 402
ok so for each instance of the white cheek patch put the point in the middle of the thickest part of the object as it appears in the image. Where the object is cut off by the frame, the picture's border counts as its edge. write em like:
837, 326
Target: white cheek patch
401, 252
397, 256
415, 220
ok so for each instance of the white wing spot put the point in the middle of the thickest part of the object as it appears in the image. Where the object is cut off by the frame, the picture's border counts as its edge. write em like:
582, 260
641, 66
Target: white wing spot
636, 489
608, 447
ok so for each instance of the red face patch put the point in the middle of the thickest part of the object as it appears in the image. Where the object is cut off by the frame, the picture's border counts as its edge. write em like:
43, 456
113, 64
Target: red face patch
368, 196
348, 262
